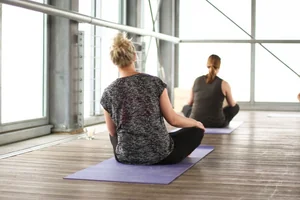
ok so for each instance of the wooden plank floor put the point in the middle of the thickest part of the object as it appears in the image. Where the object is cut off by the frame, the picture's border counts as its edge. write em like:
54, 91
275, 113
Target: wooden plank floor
260, 160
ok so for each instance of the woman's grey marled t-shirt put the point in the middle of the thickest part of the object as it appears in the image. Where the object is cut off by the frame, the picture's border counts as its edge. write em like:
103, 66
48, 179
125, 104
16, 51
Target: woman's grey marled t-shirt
133, 103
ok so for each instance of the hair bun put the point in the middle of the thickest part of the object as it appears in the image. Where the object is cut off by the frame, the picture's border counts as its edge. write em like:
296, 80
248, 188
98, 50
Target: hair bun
122, 50
120, 40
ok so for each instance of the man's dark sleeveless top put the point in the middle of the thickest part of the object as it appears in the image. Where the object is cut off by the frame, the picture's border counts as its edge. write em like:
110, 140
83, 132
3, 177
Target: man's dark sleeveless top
134, 106
208, 102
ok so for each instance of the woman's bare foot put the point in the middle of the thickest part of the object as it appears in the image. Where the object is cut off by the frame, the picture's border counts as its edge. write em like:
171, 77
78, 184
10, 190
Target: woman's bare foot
298, 97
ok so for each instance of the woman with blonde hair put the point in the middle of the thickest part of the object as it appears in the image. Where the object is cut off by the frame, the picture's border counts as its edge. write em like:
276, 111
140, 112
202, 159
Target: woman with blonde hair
206, 99
135, 106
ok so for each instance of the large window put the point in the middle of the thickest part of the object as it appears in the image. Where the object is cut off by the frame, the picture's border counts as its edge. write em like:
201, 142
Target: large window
274, 82
23, 76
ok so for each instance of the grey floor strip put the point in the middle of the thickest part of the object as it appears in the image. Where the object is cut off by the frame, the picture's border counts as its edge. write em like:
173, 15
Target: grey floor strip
37, 147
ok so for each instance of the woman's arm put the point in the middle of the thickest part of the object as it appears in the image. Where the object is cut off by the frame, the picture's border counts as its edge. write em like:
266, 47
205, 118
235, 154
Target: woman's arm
109, 123
172, 117
227, 93
191, 98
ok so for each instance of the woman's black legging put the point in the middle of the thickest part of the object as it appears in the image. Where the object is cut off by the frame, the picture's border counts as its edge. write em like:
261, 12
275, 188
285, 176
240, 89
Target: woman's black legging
229, 112
186, 140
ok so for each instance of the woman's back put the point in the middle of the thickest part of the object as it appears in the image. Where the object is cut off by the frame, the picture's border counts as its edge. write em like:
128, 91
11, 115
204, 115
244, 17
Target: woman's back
208, 102
133, 103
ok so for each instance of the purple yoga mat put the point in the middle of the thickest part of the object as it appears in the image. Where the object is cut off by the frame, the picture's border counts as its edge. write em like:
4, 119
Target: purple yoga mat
111, 170
226, 130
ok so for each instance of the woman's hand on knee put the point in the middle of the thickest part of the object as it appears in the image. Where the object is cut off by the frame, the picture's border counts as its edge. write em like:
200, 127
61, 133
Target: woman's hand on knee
200, 125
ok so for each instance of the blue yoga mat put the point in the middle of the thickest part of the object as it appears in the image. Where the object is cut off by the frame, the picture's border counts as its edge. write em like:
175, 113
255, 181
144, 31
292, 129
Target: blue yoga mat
111, 170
